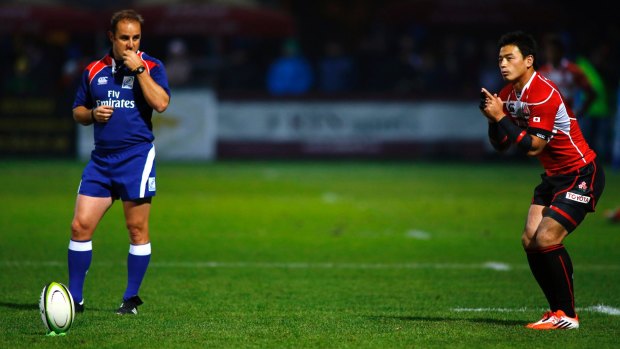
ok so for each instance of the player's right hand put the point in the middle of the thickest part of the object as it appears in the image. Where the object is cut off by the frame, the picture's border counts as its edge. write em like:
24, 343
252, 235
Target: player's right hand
491, 105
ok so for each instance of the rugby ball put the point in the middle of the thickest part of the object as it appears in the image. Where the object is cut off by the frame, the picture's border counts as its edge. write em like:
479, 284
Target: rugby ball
57, 308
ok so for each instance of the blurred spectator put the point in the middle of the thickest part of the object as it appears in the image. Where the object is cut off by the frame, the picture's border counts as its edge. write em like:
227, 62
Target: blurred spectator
407, 67
178, 64
335, 69
488, 72
291, 73
27, 76
239, 72
469, 49
596, 125
613, 215
373, 58
573, 83
75, 62
451, 59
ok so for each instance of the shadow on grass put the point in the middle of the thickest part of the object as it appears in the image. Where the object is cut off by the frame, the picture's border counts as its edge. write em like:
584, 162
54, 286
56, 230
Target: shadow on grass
507, 323
17, 306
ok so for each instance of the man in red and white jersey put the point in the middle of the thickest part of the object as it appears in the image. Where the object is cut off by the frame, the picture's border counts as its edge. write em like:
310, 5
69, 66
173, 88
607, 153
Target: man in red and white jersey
530, 112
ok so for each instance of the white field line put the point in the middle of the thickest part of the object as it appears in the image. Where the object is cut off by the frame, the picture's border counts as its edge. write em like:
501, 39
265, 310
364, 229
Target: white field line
418, 234
497, 266
275, 265
280, 265
303, 265
605, 309
600, 308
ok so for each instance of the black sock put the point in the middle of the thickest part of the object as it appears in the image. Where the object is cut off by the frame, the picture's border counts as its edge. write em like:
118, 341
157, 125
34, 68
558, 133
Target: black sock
536, 260
560, 273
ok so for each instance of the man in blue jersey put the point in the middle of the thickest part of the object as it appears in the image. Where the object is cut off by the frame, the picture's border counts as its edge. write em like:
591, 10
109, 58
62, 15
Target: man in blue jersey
117, 95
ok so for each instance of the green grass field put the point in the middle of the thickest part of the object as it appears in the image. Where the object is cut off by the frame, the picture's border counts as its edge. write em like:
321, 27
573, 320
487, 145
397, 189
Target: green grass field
307, 255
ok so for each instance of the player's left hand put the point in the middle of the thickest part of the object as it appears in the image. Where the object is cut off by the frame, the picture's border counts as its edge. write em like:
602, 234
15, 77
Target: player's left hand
131, 59
491, 105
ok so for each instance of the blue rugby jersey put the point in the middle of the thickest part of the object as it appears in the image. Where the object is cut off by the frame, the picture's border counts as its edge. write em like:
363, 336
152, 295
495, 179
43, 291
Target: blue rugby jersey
109, 82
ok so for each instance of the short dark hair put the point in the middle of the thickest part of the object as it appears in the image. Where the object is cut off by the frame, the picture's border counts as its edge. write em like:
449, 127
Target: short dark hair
131, 15
524, 41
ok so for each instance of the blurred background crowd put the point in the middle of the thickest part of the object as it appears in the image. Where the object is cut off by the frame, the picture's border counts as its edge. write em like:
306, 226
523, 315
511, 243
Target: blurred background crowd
440, 50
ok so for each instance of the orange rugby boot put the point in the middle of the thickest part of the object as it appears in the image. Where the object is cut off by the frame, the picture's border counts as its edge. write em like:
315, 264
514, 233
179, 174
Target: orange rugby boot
555, 321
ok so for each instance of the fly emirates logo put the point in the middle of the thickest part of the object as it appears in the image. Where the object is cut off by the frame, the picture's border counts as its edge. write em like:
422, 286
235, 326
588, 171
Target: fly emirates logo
114, 102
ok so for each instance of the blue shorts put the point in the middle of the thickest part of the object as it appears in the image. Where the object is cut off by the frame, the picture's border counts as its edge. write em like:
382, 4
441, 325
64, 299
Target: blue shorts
128, 174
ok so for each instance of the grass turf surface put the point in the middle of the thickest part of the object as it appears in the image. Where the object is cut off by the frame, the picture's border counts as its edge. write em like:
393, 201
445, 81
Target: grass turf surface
306, 254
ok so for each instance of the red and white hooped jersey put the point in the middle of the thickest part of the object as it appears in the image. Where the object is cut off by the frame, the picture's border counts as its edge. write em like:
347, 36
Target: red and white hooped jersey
540, 109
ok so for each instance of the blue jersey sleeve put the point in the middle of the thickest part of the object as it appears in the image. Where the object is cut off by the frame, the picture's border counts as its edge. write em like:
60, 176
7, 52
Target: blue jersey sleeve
83, 96
158, 73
